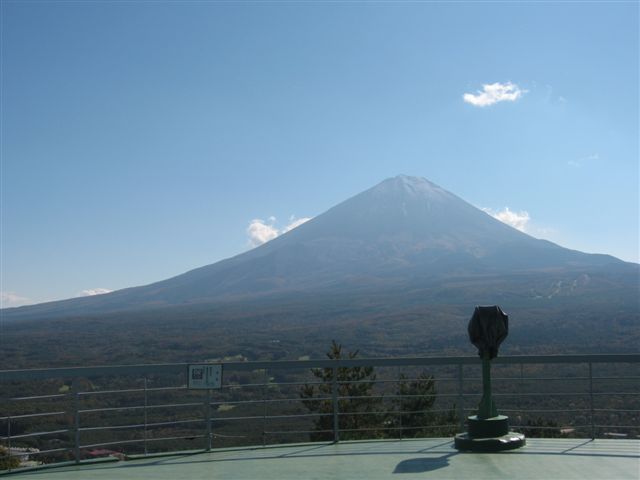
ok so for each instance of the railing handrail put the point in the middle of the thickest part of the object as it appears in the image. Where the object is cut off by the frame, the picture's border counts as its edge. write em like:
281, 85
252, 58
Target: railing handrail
167, 368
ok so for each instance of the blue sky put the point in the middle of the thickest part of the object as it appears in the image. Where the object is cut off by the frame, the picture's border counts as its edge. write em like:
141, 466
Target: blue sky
141, 139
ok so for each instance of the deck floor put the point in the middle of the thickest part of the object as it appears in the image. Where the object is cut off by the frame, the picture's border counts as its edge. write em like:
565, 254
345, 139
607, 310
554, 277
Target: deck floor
402, 460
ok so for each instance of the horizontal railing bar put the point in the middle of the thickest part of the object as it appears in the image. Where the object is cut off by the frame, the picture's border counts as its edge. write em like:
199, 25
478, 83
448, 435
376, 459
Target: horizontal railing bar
479, 379
36, 434
536, 394
550, 410
173, 405
282, 432
532, 427
387, 412
267, 384
341, 382
132, 390
612, 410
117, 442
617, 378
163, 389
243, 385
300, 415
180, 368
106, 392
175, 422
269, 400
350, 397
53, 450
434, 410
183, 437
141, 425
475, 379
373, 429
111, 409
519, 379
395, 412
550, 394
139, 407
356, 382
615, 410
615, 393
37, 397
435, 379
618, 426
30, 415
527, 410
220, 435
285, 383
260, 417
421, 427
141, 440
111, 427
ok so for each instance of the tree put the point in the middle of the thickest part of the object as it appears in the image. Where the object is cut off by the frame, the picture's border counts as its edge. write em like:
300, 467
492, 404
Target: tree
359, 411
362, 411
414, 401
7, 462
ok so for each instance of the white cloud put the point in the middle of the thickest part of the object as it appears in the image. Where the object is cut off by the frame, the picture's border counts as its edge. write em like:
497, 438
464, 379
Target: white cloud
517, 220
260, 231
493, 93
581, 161
93, 291
12, 299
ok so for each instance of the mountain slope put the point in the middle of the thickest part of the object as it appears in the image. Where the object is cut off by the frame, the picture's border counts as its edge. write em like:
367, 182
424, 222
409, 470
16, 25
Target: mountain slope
404, 233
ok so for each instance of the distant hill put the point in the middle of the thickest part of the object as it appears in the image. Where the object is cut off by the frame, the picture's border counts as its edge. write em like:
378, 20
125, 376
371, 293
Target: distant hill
404, 238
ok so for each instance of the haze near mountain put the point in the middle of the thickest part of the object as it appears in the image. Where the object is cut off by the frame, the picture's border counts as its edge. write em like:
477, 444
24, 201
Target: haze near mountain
405, 234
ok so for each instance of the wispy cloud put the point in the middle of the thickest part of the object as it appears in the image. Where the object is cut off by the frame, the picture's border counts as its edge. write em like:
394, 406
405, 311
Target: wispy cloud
581, 161
12, 299
90, 292
295, 222
493, 93
517, 220
261, 231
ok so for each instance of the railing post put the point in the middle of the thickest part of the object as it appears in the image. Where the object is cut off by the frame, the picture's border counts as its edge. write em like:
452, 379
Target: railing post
264, 409
401, 407
460, 398
9, 439
145, 415
334, 401
76, 423
208, 419
593, 425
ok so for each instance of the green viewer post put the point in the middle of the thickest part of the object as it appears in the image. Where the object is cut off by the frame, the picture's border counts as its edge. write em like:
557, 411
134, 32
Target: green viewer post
488, 431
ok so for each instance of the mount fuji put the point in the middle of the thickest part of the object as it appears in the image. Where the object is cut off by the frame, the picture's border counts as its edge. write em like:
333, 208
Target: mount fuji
405, 236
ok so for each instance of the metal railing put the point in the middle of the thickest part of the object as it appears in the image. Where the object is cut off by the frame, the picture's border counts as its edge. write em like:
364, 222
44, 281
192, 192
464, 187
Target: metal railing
143, 408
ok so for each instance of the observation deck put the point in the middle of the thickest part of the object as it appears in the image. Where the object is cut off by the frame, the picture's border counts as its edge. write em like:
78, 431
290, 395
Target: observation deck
356, 418
403, 459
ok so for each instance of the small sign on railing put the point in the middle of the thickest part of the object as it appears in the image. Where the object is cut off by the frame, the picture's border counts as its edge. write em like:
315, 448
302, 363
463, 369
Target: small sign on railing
205, 376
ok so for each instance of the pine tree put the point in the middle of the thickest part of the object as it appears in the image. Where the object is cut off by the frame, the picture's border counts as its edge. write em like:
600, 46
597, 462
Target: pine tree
414, 402
359, 410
